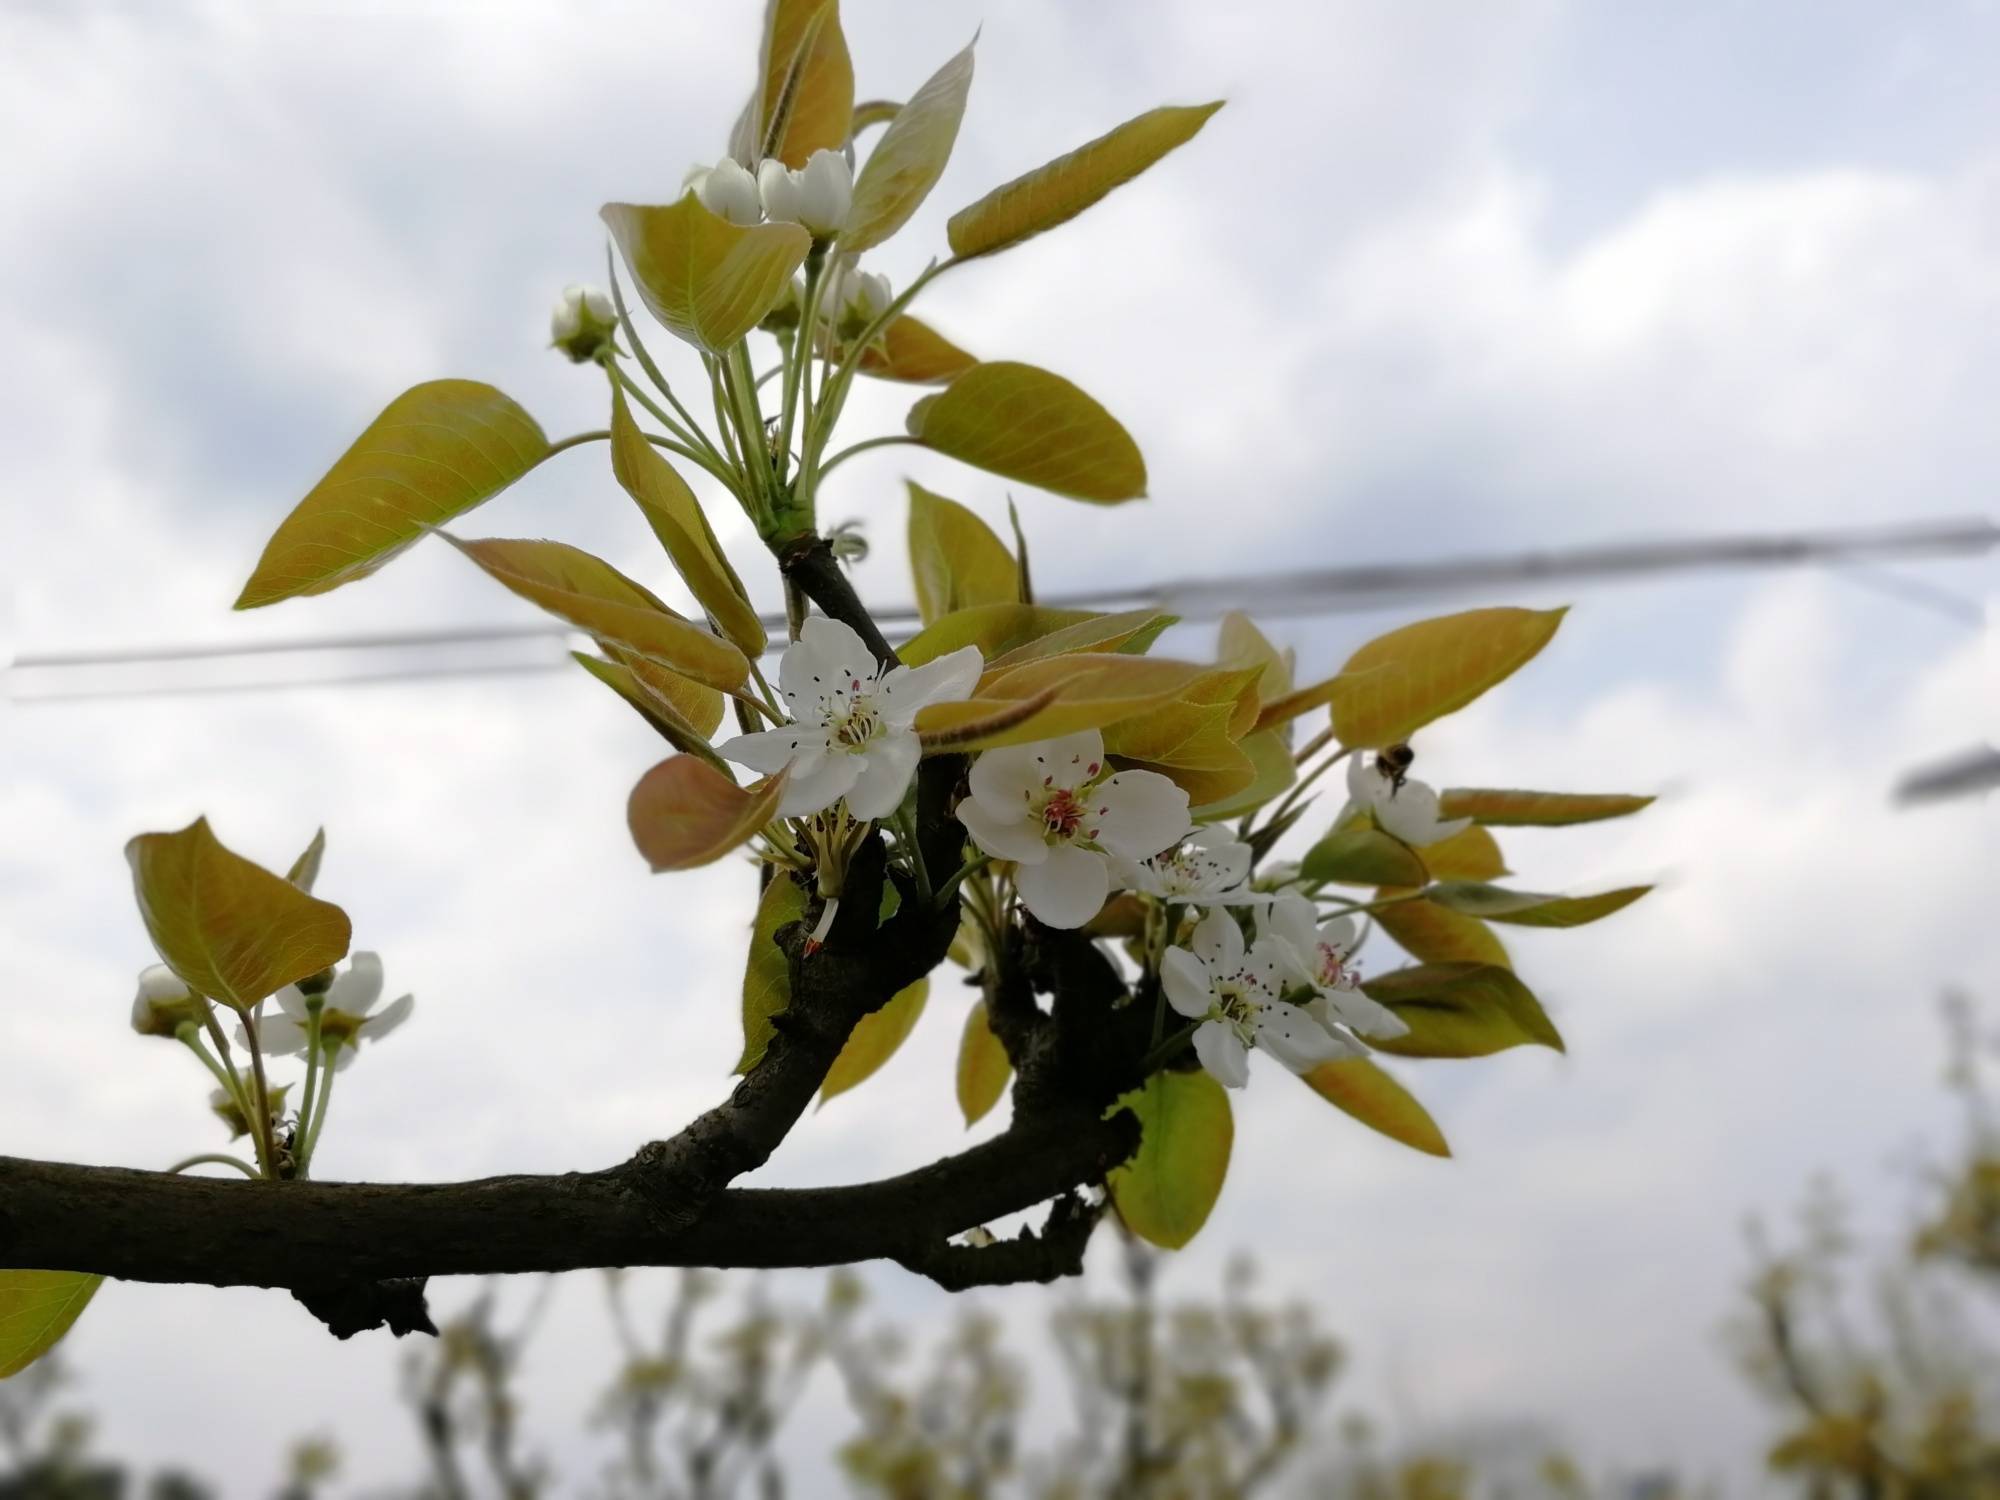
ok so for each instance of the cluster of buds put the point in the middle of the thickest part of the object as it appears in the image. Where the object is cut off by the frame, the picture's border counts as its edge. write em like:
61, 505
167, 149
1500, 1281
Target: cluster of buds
816, 196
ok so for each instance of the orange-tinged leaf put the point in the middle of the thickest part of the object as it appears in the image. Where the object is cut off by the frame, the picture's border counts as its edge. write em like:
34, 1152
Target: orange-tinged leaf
705, 279
875, 1039
436, 451
1274, 773
1060, 190
983, 1068
699, 705
598, 599
676, 517
1469, 854
36, 1310
912, 351
957, 560
1460, 1010
305, 869
907, 162
962, 732
1506, 809
1129, 633
231, 929
1242, 644
1167, 1190
1530, 908
767, 973
1193, 739
1092, 691
996, 629
1363, 1090
685, 813
663, 714
804, 100
1028, 424
1433, 934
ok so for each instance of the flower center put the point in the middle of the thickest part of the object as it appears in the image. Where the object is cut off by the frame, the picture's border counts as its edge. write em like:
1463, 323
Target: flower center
857, 726
1333, 971
1063, 814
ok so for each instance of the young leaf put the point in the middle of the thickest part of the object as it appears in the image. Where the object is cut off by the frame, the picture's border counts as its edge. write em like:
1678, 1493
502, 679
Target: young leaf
707, 280
767, 974
231, 929
1166, 1191
996, 629
1129, 633
907, 162
804, 100
1434, 934
1362, 854
1529, 909
598, 599
875, 1040
1025, 423
1401, 681
437, 450
1363, 1090
1274, 772
957, 560
1506, 809
912, 351
305, 869
1469, 854
1065, 187
685, 813
983, 1068
622, 677
36, 1310
677, 520
1242, 644
1460, 1010
1091, 691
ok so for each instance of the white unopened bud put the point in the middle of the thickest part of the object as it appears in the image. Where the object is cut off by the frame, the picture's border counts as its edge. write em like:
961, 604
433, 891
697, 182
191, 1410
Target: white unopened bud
582, 322
854, 299
163, 1003
726, 190
818, 195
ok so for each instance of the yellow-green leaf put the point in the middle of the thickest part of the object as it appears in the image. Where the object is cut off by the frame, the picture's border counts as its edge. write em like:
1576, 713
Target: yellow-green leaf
705, 279
1193, 739
305, 869
906, 163
1361, 854
684, 812
231, 929
622, 677
804, 100
983, 1068
1028, 424
1401, 681
677, 520
598, 599
912, 351
957, 560
1505, 809
1129, 633
875, 1040
1242, 644
995, 629
1433, 934
1469, 854
767, 973
1166, 1191
1274, 772
1363, 1090
437, 450
1460, 1010
1091, 691
1530, 909
1065, 187
36, 1310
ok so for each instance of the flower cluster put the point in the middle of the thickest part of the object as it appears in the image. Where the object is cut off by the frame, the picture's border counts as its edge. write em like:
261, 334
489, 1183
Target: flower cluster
1402, 806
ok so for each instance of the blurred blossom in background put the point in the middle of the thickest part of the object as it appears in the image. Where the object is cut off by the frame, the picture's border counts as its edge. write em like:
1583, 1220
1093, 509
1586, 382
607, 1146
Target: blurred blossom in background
1440, 281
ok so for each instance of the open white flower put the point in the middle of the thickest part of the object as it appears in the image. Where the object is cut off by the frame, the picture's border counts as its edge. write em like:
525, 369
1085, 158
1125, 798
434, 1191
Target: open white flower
1210, 867
347, 1016
817, 195
727, 190
853, 733
1236, 995
1059, 812
1408, 811
1320, 955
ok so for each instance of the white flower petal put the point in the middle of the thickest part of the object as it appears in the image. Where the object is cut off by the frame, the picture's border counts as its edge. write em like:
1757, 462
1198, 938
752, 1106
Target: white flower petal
1369, 1017
1143, 813
947, 680
292, 1000
771, 750
393, 1015
825, 662
1222, 1053
1185, 979
355, 989
1002, 781
1071, 760
159, 984
887, 766
1004, 838
1067, 888
1342, 934
1218, 941
728, 191
819, 789
1296, 1038
1292, 919
281, 1036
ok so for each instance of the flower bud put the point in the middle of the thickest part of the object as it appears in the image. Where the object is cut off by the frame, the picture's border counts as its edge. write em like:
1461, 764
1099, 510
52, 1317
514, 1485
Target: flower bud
164, 1003
818, 195
787, 310
582, 323
226, 1111
854, 299
726, 190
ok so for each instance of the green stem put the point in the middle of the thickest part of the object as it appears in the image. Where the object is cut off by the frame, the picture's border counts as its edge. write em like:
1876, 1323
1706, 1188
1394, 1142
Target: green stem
262, 1090
906, 833
862, 447
799, 353
971, 867
235, 1084
213, 1158
646, 361
1167, 1050
750, 418
319, 1116
1299, 787
683, 439
314, 1005
603, 434
1365, 907
231, 1085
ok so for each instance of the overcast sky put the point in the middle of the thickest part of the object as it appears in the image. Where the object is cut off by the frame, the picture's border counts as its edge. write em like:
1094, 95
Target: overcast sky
1440, 279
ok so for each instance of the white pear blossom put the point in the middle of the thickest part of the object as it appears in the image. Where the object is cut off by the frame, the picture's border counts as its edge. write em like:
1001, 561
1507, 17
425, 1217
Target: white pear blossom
853, 729
1408, 811
1210, 867
1237, 994
1059, 812
347, 1015
817, 195
583, 319
854, 298
163, 1002
1320, 955
727, 190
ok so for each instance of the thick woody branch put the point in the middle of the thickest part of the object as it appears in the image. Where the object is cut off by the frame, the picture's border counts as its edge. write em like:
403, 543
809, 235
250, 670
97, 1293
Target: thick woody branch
810, 564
